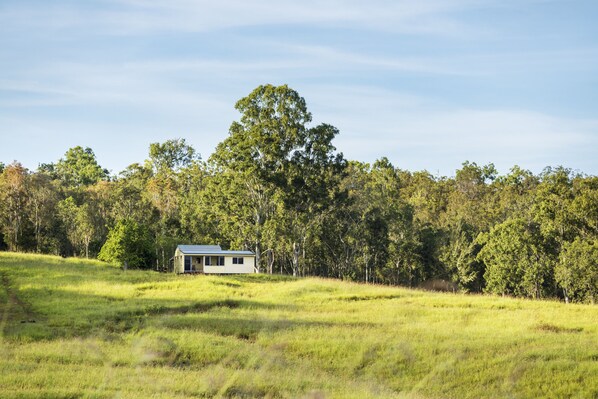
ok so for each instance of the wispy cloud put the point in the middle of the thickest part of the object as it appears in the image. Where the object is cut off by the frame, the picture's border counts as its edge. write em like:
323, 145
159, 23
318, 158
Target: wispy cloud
143, 16
418, 133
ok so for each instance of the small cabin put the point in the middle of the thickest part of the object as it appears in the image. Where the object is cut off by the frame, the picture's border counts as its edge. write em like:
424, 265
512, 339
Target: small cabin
211, 259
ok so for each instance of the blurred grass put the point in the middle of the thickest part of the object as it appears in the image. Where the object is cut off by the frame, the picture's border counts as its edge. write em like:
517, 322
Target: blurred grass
78, 328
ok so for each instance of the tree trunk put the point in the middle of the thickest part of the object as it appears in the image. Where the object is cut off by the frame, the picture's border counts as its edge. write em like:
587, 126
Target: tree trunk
257, 257
303, 269
270, 261
37, 229
296, 251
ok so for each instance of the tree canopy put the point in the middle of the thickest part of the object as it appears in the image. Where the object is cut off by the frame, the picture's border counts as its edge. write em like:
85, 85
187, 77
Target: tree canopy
79, 167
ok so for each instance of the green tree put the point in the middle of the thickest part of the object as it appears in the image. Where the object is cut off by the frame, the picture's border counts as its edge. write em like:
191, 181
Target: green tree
171, 156
85, 227
128, 242
67, 212
128, 195
14, 199
577, 270
514, 193
79, 167
517, 258
552, 205
43, 197
272, 125
164, 191
584, 207
275, 157
470, 210
197, 223
311, 188
427, 195
460, 258
78, 223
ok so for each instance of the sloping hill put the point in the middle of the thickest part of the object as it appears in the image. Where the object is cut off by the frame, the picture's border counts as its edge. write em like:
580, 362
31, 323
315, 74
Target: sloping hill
74, 328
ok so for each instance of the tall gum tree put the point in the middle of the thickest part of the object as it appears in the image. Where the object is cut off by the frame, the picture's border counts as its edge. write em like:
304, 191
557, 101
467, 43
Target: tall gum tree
14, 199
278, 158
167, 161
79, 167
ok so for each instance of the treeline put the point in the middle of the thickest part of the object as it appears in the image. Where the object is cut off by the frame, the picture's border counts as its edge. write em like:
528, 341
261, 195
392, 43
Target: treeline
277, 185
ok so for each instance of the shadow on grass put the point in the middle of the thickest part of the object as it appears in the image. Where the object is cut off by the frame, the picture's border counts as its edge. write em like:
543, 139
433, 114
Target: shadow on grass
141, 313
551, 328
259, 278
61, 314
365, 297
66, 314
242, 328
193, 318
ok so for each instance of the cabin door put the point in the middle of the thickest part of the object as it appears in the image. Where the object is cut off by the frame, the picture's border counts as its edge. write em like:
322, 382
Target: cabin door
187, 263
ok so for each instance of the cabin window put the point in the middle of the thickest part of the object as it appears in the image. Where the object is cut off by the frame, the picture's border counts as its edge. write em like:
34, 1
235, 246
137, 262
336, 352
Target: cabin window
214, 261
237, 261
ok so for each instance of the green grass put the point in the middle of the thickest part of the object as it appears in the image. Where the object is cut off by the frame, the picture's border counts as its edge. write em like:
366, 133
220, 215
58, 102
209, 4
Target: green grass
72, 328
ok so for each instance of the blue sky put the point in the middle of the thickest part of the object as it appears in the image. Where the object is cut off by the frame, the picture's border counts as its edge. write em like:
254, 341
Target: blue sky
426, 83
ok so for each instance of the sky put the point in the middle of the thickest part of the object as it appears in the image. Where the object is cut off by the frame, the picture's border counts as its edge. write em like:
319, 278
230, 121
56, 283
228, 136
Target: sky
428, 84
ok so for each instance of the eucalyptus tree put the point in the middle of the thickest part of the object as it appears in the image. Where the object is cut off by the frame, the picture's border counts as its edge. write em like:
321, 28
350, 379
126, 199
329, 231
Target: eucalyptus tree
78, 223
43, 196
577, 270
378, 205
460, 257
515, 193
470, 199
99, 201
14, 198
128, 195
311, 189
194, 209
172, 155
471, 209
518, 259
426, 194
163, 189
238, 211
584, 207
344, 241
79, 168
552, 205
278, 158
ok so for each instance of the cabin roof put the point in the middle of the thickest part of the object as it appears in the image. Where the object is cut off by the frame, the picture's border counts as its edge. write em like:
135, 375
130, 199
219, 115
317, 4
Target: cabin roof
209, 250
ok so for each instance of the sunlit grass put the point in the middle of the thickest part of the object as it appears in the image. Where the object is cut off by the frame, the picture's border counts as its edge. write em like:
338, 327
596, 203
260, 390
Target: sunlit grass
76, 328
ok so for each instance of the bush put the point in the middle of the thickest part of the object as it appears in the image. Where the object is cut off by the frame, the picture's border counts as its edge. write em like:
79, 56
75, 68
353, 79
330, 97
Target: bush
128, 242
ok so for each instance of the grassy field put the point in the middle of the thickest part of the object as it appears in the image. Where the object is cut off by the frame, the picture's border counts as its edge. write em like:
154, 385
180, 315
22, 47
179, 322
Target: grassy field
73, 328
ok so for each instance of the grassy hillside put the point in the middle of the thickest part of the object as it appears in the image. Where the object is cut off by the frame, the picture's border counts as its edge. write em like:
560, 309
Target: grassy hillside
73, 328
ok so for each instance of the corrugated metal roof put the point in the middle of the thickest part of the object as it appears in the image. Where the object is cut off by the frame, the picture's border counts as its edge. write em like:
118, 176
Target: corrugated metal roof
199, 248
209, 250
233, 253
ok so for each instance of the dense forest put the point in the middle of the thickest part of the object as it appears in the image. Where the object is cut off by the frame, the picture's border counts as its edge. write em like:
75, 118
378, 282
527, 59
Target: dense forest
277, 185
